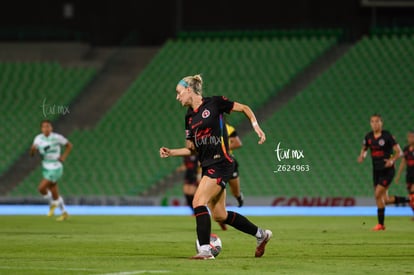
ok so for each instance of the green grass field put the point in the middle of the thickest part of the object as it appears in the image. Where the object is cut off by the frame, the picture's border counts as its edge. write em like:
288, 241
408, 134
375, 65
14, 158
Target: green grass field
126, 245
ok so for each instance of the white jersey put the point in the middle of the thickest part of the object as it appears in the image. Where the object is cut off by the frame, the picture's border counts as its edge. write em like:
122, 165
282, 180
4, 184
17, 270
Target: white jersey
49, 148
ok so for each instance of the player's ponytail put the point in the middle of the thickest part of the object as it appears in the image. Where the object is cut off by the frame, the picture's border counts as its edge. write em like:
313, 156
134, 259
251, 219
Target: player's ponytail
195, 82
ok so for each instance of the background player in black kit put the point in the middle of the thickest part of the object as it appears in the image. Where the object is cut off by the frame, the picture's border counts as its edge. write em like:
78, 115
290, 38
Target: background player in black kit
206, 136
408, 160
384, 152
191, 178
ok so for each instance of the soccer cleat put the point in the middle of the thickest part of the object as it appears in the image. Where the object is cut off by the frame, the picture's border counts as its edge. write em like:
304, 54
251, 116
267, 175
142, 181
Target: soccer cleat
378, 227
240, 200
261, 242
52, 210
223, 226
203, 255
63, 217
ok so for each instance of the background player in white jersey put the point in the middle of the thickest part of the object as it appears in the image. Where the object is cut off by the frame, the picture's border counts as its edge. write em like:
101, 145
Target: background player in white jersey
48, 145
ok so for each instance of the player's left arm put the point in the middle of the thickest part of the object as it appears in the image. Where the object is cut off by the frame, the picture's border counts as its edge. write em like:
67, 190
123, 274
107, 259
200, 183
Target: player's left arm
400, 170
68, 148
238, 107
397, 154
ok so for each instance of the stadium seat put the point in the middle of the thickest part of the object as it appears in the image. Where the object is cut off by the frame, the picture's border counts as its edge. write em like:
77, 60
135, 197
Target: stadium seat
120, 155
25, 88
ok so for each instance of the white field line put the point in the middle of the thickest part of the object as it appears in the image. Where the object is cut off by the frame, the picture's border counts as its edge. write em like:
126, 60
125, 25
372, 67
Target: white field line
137, 272
45, 268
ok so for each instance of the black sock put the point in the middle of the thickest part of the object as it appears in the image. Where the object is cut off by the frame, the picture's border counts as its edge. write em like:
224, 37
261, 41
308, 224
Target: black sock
401, 200
240, 201
189, 199
203, 224
381, 215
241, 223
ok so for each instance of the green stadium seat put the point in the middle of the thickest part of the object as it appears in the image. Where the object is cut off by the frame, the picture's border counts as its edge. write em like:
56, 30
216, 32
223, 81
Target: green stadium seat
24, 87
330, 117
120, 155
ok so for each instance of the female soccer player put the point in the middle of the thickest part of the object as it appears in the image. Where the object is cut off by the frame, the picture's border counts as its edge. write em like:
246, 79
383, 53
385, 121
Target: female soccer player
48, 145
384, 152
408, 161
234, 182
206, 136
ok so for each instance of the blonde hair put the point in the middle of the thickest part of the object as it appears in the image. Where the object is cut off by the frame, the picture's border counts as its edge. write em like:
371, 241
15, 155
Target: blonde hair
195, 82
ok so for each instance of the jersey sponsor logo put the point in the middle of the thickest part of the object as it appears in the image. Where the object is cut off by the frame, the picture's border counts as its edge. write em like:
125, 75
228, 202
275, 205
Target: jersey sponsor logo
381, 142
216, 156
205, 113
202, 133
377, 154
211, 171
314, 201
197, 124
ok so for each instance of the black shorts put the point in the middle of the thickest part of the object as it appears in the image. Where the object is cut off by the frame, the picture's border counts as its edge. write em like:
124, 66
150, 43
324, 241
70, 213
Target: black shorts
235, 173
190, 178
221, 171
383, 177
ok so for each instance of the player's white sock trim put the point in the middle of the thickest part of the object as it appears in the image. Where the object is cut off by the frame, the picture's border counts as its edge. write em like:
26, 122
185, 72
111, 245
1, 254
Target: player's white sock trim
61, 204
48, 196
205, 248
259, 233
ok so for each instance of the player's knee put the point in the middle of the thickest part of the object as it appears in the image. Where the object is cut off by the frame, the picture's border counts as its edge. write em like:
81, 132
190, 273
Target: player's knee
220, 218
198, 202
42, 190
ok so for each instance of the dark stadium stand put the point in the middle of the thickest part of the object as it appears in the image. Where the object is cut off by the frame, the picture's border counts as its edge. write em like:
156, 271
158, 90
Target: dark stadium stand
326, 121
120, 155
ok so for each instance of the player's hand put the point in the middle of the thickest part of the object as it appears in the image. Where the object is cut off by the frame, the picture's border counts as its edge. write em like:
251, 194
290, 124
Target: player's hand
360, 159
61, 159
260, 133
164, 152
388, 163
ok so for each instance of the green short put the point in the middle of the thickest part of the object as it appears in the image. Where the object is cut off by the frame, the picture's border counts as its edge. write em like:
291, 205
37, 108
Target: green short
52, 175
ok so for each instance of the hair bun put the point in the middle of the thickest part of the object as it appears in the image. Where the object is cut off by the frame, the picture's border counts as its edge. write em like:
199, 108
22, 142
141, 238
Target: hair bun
198, 77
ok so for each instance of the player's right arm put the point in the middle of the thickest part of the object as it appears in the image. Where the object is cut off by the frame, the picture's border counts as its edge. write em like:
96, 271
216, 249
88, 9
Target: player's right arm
33, 150
400, 170
363, 152
179, 152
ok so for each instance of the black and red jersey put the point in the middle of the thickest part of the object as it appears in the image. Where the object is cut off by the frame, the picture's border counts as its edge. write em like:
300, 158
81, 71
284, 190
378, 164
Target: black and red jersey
381, 148
409, 160
207, 129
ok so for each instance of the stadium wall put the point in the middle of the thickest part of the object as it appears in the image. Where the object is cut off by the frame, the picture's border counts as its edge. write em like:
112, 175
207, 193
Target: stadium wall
152, 22
276, 201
